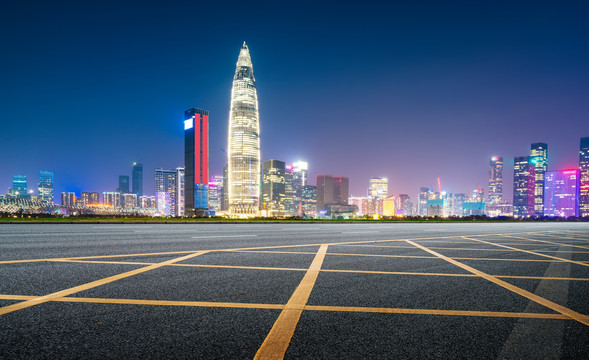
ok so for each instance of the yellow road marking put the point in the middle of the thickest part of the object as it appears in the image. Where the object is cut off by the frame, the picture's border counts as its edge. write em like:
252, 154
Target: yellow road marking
540, 300
462, 249
356, 309
548, 242
42, 299
437, 312
529, 252
255, 248
278, 339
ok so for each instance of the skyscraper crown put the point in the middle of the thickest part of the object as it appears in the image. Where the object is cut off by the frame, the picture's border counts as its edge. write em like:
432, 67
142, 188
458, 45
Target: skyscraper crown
244, 56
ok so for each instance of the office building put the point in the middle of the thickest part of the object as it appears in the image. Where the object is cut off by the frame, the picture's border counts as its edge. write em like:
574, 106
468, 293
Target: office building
309, 200
389, 206
225, 193
273, 188
524, 182
19, 185
424, 195
123, 184
137, 179
539, 159
561, 193
295, 179
216, 193
171, 182
458, 201
495, 193
111, 198
404, 207
378, 188
46, 186
165, 204
244, 169
584, 177
331, 191
196, 161
68, 199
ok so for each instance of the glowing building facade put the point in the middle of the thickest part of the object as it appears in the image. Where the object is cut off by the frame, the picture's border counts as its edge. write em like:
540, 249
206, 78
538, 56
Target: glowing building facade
273, 188
244, 170
46, 186
561, 193
584, 174
378, 188
539, 159
495, 180
196, 161
524, 181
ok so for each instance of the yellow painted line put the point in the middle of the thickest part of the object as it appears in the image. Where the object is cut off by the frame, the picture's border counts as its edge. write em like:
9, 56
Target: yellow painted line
277, 341
307, 307
584, 319
56, 295
530, 252
548, 242
465, 249
94, 257
436, 312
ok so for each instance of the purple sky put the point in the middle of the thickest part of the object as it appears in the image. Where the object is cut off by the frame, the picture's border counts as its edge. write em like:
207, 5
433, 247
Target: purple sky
410, 90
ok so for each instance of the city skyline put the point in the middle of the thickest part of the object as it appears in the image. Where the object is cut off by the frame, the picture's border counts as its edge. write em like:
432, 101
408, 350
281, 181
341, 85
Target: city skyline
499, 76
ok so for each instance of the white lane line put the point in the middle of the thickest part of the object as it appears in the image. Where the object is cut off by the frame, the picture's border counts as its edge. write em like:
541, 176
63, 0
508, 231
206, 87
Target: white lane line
221, 236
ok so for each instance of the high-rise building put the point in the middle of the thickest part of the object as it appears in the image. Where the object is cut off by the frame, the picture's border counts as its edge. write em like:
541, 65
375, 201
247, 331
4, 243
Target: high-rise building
309, 200
295, 179
88, 198
166, 182
46, 186
146, 201
123, 184
216, 193
331, 190
389, 207
68, 199
495, 193
244, 141
378, 188
539, 158
561, 193
225, 194
19, 185
524, 182
424, 195
196, 161
458, 201
112, 198
137, 178
477, 195
181, 192
403, 205
584, 175
273, 188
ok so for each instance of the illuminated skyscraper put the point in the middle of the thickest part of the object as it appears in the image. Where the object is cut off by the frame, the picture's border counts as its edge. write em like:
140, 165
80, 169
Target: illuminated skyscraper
19, 185
539, 158
495, 180
123, 184
561, 193
88, 198
295, 179
273, 188
244, 141
137, 179
216, 193
378, 188
68, 199
524, 181
584, 174
46, 186
309, 200
196, 161
111, 198
424, 195
169, 190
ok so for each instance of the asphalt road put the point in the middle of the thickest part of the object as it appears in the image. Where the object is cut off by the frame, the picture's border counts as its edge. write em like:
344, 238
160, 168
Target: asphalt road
298, 291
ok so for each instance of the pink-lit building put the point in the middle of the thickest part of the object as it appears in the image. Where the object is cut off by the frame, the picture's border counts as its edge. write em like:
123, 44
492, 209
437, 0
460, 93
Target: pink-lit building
561, 193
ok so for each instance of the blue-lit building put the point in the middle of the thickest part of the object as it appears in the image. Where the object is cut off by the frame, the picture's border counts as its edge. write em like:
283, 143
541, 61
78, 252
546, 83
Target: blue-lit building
19, 185
561, 193
524, 185
46, 186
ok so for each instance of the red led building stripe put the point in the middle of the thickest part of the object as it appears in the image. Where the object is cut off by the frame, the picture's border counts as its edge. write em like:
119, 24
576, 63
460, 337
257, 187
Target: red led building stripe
197, 149
205, 149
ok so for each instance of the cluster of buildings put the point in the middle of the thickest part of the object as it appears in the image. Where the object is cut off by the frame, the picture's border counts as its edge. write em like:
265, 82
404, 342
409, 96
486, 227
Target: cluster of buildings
252, 188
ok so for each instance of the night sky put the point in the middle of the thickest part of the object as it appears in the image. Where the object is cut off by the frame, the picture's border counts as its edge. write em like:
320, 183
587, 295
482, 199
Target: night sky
409, 90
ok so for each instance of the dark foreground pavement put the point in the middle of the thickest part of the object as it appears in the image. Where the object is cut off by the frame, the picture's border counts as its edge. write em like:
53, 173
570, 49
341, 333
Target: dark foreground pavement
298, 291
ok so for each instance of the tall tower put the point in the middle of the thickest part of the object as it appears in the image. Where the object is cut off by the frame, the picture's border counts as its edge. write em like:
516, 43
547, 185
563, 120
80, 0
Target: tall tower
137, 179
46, 186
524, 180
584, 185
196, 161
539, 159
495, 180
244, 141
273, 188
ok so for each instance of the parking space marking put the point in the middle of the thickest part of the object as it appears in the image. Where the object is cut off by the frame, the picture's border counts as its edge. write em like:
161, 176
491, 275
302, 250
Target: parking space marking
529, 252
278, 339
548, 242
584, 319
42, 299
355, 309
